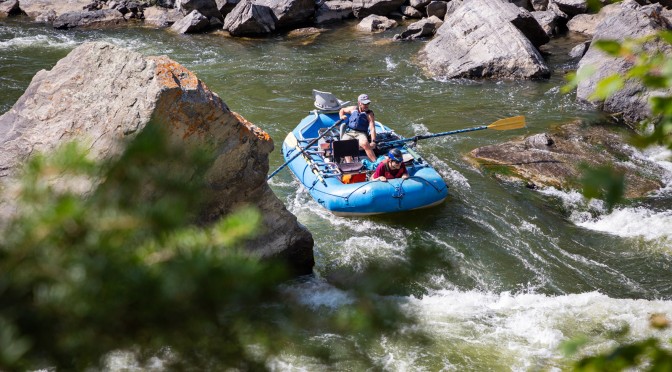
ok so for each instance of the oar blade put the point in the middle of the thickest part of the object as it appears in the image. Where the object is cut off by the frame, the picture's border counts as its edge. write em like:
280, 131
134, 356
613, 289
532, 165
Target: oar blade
514, 122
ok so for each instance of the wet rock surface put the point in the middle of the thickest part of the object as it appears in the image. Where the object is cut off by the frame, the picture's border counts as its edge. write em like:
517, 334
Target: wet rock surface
555, 159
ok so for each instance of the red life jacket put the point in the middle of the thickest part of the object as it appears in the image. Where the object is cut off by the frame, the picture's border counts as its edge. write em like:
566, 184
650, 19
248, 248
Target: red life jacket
384, 170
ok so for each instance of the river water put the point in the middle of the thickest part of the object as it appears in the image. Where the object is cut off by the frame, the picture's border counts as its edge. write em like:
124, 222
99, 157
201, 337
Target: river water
529, 269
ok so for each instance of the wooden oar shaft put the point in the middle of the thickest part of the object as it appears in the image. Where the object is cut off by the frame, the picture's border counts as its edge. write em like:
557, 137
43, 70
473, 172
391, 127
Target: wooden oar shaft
515, 122
302, 150
415, 138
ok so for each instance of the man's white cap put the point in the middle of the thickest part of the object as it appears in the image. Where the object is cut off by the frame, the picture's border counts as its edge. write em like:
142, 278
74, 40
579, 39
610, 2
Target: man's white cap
363, 98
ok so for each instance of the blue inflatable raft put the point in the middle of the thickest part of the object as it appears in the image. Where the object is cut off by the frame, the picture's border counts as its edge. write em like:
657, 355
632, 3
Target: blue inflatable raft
344, 187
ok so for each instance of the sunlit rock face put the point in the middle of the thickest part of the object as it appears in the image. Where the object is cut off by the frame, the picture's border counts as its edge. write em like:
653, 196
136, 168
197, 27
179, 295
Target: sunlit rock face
486, 39
103, 95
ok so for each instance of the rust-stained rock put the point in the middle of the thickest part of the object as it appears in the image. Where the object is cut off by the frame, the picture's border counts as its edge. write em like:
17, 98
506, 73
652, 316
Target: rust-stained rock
554, 159
104, 95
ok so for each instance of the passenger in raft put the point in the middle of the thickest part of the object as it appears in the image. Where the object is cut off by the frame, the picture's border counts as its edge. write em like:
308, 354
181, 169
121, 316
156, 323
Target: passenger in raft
390, 168
360, 123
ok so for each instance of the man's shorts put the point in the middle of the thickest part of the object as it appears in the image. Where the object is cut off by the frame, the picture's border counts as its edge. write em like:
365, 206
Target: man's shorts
360, 136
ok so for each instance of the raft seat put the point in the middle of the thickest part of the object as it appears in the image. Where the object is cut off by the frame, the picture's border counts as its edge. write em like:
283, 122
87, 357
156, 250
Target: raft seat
347, 149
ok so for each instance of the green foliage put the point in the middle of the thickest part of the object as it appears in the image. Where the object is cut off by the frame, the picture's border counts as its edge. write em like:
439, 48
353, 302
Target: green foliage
646, 354
126, 268
653, 68
80, 277
603, 183
643, 355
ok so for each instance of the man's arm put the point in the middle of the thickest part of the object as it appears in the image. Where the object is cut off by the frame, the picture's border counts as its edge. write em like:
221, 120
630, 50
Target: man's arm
345, 110
372, 126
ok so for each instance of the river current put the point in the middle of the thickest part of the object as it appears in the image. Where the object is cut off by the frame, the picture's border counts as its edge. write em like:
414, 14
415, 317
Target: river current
529, 269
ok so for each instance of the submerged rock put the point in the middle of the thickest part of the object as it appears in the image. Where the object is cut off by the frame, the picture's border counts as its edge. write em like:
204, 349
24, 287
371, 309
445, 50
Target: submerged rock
554, 159
104, 95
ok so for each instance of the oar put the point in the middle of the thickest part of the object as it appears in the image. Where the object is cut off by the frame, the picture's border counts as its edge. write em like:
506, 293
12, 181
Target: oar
515, 122
303, 149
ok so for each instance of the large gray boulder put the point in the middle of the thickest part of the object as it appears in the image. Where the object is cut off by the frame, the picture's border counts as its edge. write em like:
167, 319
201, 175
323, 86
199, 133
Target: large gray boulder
161, 17
364, 8
423, 28
226, 6
410, 12
549, 21
208, 8
47, 10
375, 23
572, 7
9, 8
485, 38
452, 6
103, 95
94, 19
290, 13
630, 20
248, 18
437, 9
333, 10
587, 23
193, 22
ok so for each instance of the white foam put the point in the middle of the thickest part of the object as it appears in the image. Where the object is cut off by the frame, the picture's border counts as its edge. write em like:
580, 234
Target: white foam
529, 326
389, 64
39, 41
454, 178
662, 156
356, 252
633, 222
420, 129
651, 225
317, 294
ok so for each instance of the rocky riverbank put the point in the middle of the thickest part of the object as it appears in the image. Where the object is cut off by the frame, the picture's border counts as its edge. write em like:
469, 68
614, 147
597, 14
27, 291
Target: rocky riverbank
104, 95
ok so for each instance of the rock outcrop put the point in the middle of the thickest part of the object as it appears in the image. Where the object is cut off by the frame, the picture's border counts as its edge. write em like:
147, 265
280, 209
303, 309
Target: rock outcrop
49, 9
161, 17
375, 23
193, 22
103, 95
629, 20
9, 8
248, 18
96, 18
289, 13
554, 159
364, 8
423, 28
486, 38
333, 10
